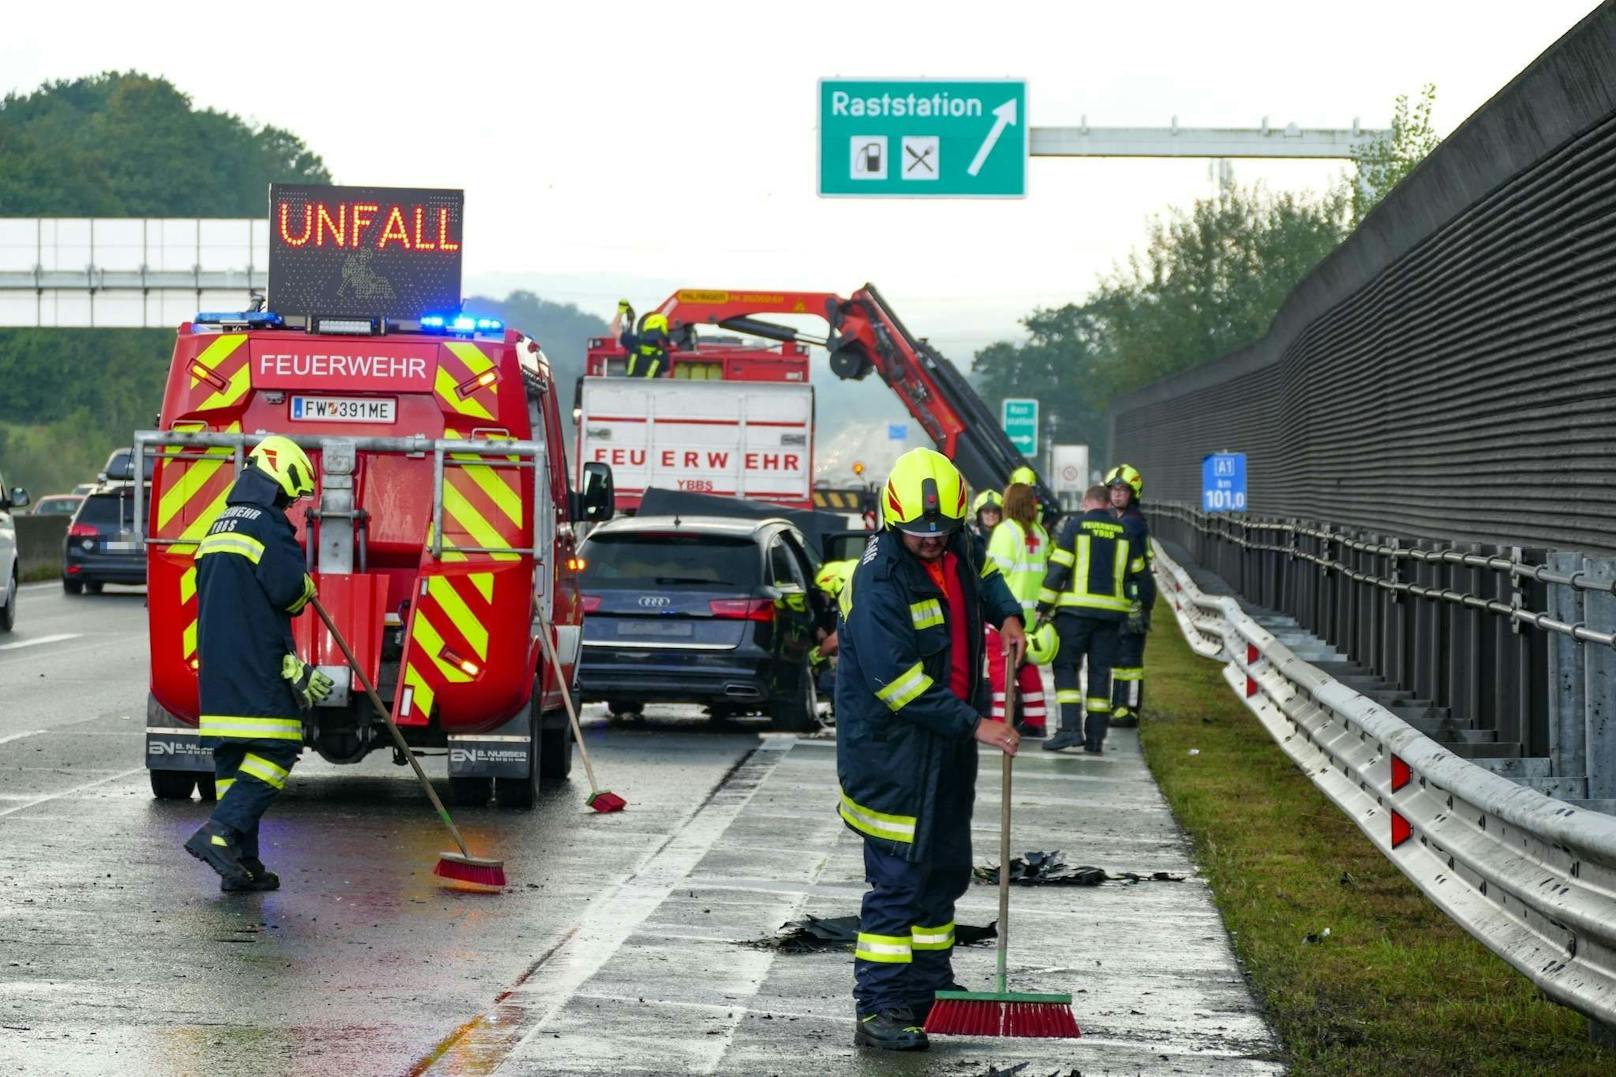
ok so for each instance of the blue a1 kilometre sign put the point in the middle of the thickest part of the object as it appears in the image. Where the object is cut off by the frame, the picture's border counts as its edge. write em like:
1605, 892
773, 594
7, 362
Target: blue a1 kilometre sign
1223, 482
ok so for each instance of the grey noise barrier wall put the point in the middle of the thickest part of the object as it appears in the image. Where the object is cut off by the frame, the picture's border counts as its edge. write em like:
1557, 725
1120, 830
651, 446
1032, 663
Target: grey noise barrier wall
1449, 371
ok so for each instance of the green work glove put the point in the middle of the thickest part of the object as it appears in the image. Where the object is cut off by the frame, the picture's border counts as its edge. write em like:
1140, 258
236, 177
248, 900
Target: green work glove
623, 307
1136, 618
309, 683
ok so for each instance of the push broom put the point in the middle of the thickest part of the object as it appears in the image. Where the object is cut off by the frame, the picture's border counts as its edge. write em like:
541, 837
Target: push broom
459, 867
601, 800
1003, 1012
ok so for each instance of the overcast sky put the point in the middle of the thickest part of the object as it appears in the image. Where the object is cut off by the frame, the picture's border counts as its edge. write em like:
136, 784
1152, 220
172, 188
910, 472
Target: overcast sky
611, 148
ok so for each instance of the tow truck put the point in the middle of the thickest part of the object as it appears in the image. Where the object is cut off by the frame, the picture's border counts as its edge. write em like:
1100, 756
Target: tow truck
864, 337
441, 533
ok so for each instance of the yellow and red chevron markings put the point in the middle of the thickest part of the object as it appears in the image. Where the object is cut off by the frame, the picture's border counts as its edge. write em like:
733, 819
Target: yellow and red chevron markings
220, 374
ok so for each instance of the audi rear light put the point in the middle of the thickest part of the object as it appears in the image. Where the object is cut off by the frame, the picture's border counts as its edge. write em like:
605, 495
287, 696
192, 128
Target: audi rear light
743, 609
82, 531
591, 603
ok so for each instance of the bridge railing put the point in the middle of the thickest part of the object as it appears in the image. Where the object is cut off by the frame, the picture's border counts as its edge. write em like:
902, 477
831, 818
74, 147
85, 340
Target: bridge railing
1509, 653
1532, 878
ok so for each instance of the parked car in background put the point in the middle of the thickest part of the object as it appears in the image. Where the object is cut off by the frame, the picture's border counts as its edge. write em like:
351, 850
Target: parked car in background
83, 488
120, 466
11, 498
57, 505
101, 547
700, 609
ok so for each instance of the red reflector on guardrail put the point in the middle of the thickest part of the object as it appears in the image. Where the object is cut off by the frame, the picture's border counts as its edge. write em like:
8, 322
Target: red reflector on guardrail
1400, 774
1251, 686
1401, 830
1251, 653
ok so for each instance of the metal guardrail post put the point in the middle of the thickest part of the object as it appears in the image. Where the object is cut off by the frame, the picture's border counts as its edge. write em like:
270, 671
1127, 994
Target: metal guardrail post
1567, 672
1600, 687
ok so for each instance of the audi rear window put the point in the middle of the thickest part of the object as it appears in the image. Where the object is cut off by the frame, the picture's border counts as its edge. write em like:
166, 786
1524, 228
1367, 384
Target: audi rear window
667, 559
107, 510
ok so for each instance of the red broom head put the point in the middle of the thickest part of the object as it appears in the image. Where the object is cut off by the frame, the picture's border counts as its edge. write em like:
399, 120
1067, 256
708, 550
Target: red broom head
607, 801
1001, 1017
470, 871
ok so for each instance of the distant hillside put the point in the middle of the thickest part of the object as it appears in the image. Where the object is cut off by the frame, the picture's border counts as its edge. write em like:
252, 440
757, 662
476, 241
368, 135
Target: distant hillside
113, 145
561, 329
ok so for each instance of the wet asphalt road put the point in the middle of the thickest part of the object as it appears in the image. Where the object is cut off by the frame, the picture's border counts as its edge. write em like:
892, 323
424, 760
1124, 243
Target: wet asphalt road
118, 953
621, 945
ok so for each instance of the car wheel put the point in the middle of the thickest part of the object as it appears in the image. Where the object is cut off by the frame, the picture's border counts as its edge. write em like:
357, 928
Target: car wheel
470, 792
173, 784
94, 588
522, 792
800, 714
555, 758
8, 612
76, 587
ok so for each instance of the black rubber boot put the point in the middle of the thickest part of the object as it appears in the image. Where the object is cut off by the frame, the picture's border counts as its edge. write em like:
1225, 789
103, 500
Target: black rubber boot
218, 850
889, 1030
1097, 726
1068, 737
258, 878
1030, 732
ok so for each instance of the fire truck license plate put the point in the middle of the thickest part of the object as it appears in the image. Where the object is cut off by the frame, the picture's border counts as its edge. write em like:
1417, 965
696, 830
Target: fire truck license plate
344, 409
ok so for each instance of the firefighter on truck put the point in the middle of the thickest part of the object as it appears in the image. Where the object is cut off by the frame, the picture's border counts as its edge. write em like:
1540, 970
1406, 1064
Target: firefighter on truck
250, 583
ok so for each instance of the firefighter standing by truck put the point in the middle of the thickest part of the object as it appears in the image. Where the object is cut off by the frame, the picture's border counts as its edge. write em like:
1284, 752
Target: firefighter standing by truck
250, 583
907, 687
647, 345
1127, 486
1089, 592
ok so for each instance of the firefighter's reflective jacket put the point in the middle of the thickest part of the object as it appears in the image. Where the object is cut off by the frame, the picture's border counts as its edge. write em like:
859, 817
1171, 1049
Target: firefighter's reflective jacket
250, 583
1142, 554
1094, 569
898, 724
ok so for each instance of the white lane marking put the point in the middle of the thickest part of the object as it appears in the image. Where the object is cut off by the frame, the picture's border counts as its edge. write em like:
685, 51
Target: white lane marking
609, 922
20, 644
19, 736
68, 792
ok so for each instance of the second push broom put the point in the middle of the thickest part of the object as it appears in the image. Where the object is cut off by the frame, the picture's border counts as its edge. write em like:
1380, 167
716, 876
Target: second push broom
1003, 1012
459, 867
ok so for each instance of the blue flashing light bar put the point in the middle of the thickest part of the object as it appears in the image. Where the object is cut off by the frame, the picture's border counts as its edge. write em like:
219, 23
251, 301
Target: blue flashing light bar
261, 319
460, 323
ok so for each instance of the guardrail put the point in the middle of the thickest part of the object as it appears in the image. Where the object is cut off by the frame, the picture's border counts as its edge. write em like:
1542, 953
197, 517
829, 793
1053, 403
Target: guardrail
1532, 878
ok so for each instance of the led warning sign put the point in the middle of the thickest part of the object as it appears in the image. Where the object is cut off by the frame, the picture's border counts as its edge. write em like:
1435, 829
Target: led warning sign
390, 252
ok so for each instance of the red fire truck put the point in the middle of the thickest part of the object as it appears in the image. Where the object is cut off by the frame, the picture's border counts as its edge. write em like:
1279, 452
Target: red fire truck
440, 535
864, 336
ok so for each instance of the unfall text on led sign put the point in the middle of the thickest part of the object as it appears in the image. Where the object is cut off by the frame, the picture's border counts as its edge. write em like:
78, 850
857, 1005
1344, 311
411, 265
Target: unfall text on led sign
354, 225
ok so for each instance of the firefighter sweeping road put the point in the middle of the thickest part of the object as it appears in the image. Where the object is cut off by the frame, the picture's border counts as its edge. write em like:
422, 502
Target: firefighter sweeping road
621, 945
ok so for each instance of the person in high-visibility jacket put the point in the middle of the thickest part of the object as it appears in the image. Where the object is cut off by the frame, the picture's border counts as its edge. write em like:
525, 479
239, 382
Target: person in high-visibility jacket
1020, 547
250, 583
648, 346
1127, 486
908, 685
986, 512
1089, 589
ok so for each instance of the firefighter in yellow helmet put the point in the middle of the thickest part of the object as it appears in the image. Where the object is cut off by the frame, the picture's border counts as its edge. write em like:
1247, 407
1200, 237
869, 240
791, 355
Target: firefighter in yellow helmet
909, 705
250, 583
1126, 486
647, 346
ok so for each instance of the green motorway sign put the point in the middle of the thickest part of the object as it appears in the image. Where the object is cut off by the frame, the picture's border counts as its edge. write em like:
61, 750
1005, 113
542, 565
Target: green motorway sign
923, 138
1019, 417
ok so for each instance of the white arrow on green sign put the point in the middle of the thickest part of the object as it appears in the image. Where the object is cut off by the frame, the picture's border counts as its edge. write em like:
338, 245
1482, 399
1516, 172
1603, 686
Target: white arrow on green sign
1019, 417
923, 138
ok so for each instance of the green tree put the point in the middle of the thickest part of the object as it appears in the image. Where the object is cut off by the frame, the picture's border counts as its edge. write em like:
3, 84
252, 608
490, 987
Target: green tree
1055, 365
114, 145
1382, 163
1208, 281
561, 329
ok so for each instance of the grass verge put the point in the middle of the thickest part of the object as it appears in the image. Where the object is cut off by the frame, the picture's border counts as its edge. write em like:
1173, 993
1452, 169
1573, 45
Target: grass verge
1396, 987
39, 573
